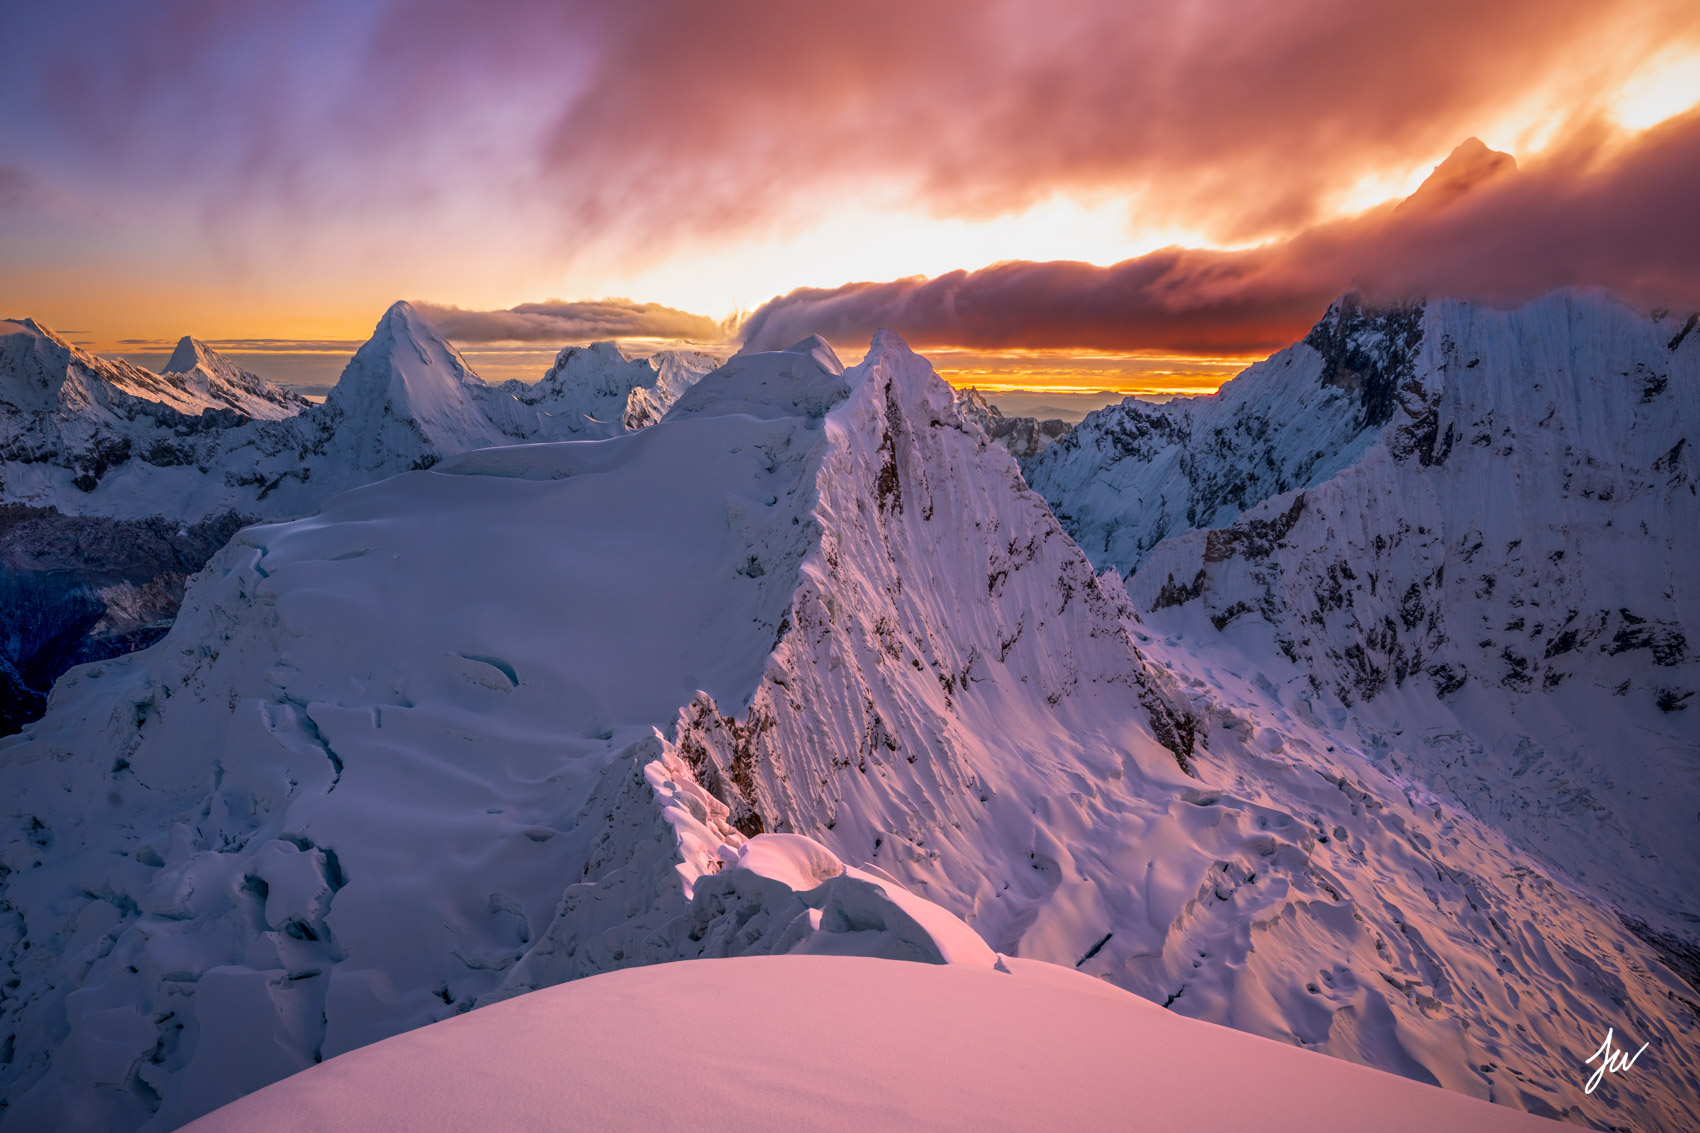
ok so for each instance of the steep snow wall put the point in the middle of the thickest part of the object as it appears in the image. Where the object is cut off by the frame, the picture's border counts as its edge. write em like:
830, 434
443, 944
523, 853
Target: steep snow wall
1495, 583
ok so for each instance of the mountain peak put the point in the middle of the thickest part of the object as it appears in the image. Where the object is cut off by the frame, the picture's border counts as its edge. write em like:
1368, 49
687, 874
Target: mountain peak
1470, 164
408, 396
42, 330
209, 375
189, 353
822, 351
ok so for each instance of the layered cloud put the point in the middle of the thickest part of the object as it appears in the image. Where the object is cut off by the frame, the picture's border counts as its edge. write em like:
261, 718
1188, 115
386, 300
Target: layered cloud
558, 321
1604, 212
644, 122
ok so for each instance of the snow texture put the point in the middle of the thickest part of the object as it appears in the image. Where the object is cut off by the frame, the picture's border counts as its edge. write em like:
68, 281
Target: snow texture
846, 1044
547, 711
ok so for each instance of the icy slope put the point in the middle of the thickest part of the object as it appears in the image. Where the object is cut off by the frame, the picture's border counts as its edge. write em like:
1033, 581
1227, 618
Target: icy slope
1497, 590
343, 795
843, 1044
403, 757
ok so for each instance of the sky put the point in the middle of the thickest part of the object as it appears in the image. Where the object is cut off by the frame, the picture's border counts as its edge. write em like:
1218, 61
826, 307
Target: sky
1054, 195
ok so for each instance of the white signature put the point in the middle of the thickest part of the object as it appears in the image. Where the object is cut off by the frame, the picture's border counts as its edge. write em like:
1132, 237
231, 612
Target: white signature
1612, 1061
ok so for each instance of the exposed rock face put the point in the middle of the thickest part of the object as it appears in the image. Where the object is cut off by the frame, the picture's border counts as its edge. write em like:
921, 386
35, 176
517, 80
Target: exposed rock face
1473, 534
1022, 437
75, 589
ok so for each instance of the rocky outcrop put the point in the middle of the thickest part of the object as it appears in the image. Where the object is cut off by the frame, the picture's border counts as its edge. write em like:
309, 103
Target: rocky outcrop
1022, 437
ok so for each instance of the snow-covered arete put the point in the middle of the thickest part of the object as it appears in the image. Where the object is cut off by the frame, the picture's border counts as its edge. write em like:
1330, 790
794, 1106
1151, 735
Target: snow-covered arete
536, 713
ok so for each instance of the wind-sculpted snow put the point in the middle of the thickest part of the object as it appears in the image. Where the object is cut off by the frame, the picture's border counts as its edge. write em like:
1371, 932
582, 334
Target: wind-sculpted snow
804, 667
845, 1045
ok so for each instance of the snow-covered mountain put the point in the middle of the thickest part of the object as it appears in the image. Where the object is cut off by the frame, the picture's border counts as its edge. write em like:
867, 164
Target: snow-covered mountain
609, 390
487, 727
221, 382
1472, 533
110, 449
88, 436
1022, 437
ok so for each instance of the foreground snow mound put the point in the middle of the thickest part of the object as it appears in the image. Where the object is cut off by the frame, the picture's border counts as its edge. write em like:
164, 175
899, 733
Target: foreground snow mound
486, 728
844, 1044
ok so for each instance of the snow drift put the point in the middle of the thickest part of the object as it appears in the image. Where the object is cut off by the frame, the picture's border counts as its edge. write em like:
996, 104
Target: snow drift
844, 1044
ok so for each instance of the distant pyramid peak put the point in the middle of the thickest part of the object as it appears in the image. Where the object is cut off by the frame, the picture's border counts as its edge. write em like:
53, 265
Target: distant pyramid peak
189, 353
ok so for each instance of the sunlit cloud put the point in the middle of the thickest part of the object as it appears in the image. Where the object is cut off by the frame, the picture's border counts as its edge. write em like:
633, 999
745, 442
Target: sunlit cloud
289, 170
1669, 85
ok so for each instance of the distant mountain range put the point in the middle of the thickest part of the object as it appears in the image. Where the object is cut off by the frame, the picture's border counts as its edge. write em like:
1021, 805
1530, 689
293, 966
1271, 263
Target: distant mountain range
117, 483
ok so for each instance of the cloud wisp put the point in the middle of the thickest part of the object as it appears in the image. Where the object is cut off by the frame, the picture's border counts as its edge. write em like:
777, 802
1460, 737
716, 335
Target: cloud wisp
561, 321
